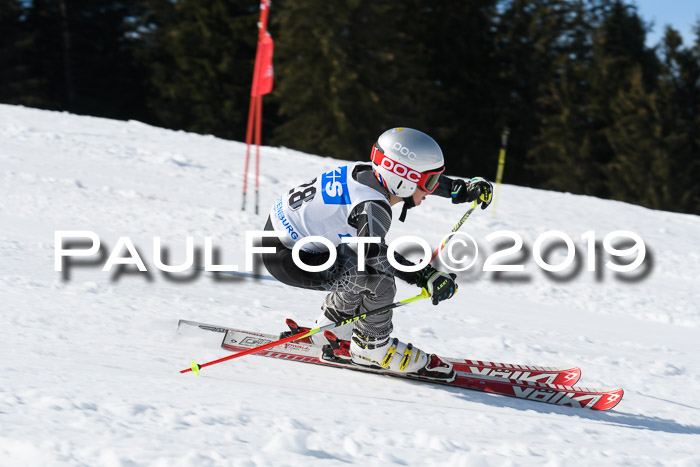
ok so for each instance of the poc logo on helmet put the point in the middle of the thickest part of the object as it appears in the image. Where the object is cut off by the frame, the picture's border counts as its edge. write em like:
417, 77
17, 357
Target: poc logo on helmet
400, 170
404, 150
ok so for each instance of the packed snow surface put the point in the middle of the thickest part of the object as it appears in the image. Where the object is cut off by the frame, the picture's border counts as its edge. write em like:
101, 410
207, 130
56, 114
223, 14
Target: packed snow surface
90, 359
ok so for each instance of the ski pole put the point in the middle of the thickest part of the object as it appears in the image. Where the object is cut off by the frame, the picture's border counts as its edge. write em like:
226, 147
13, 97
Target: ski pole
501, 164
455, 229
196, 367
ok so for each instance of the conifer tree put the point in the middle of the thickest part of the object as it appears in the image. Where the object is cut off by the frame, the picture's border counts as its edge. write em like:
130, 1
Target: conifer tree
17, 83
76, 55
346, 71
639, 171
466, 110
679, 100
200, 55
537, 40
597, 118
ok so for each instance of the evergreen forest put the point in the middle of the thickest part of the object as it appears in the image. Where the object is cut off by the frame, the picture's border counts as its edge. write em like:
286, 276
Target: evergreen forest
591, 108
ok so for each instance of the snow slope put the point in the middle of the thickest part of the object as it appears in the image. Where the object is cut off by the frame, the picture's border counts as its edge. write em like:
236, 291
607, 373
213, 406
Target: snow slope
89, 371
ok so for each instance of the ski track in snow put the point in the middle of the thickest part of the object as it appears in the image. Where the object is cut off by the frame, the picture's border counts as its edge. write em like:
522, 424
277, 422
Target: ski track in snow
90, 365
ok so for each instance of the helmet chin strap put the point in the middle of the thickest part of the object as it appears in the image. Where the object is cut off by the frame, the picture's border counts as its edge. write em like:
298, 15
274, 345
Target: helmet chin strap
408, 203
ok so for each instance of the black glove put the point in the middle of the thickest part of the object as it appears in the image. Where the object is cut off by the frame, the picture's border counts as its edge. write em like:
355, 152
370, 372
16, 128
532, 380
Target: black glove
459, 191
477, 189
440, 285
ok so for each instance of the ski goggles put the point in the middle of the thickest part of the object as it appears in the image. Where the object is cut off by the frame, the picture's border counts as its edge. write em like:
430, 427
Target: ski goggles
427, 181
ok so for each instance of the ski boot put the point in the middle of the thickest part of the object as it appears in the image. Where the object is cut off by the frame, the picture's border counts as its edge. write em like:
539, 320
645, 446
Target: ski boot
394, 356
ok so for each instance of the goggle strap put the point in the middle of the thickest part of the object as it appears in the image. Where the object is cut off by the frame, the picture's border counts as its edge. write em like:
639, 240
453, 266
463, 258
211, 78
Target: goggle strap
378, 156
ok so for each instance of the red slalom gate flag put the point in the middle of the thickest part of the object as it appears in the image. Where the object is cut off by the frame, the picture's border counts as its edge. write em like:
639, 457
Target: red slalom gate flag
264, 72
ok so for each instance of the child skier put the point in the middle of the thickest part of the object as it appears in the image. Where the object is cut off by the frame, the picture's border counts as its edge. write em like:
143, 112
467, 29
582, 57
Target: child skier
356, 200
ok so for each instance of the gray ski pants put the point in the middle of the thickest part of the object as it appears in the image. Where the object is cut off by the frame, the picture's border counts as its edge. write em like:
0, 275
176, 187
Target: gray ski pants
351, 291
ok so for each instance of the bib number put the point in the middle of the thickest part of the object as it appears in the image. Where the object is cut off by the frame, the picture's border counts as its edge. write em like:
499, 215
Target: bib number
301, 194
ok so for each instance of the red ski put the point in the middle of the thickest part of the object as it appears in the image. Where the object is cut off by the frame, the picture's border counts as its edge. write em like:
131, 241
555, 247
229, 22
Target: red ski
558, 394
471, 374
541, 374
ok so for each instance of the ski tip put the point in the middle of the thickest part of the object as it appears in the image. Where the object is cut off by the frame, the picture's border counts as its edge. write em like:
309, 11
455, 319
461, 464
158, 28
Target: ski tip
568, 376
195, 367
619, 392
611, 398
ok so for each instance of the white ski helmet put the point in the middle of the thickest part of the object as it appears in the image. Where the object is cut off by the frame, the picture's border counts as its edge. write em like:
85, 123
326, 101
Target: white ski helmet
404, 159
